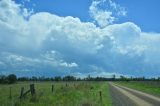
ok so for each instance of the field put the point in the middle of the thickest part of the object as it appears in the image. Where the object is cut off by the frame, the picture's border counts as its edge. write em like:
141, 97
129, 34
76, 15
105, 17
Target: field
64, 94
76, 93
151, 87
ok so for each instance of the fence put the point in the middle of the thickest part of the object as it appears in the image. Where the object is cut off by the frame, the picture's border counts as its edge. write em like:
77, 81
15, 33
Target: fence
31, 90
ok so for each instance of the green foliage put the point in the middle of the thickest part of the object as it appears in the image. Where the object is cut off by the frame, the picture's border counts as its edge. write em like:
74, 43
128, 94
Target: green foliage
69, 78
58, 78
3, 79
75, 94
12, 78
152, 87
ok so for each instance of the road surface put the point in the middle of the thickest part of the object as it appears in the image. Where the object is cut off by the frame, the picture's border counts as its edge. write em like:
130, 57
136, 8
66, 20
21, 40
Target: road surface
123, 96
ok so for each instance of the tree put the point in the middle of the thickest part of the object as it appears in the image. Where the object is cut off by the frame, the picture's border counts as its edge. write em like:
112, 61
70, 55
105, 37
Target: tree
34, 78
69, 78
113, 77
23, 79
12, 78
57, 78
3, 79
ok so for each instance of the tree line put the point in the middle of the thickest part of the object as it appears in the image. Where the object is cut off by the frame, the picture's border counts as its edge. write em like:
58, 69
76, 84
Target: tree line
12, 78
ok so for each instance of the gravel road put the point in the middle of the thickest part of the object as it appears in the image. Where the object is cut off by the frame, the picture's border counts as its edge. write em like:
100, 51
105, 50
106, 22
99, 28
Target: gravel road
123, 96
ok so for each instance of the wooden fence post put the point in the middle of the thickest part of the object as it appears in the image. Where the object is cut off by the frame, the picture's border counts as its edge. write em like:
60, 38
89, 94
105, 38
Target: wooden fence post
32, 89
10, 92
22, 91
100, 94
62, 87
52, 88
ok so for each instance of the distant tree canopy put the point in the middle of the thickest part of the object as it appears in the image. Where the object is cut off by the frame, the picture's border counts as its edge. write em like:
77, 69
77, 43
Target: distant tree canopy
3, 79
57, 78
69, 78
23, 79
10, 79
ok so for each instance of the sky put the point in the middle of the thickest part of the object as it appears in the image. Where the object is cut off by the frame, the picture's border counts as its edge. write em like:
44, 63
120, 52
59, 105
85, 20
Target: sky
80, 38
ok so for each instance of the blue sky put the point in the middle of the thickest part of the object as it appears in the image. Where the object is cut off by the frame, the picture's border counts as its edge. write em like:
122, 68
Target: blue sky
143, 13
80, 38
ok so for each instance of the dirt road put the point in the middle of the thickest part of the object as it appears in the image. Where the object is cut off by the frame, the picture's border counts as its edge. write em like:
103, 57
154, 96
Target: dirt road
123, 96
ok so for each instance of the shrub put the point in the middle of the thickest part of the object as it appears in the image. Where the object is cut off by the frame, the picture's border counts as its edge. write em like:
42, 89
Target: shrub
11, 78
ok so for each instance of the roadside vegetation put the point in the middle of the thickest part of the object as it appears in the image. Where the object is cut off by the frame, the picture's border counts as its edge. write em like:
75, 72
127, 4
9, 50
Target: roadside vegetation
152, 87
67, 90
10, 79
74, 93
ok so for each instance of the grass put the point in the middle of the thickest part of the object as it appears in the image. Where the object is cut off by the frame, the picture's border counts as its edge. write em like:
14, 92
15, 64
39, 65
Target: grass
75, 94
145, 86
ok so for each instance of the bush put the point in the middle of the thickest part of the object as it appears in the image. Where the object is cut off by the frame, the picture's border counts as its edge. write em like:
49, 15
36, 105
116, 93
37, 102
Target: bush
11, 78
3, 79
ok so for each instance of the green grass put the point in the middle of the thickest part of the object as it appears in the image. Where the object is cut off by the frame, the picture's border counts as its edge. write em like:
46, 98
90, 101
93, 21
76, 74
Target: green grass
145, 86
75, 94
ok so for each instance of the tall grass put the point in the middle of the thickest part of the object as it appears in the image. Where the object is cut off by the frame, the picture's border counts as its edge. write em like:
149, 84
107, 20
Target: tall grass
152, 87
74, 94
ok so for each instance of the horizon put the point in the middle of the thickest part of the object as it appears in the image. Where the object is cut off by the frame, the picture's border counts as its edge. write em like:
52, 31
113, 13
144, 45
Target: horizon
80, 38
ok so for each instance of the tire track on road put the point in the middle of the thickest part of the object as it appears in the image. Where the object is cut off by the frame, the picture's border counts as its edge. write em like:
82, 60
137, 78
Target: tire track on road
123, 96
155, 101
118, 99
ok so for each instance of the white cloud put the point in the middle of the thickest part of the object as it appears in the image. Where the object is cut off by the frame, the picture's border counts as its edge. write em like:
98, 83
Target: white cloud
27, 13
69, 65
98, 74
120, 11
47, 43
125, 37
104, 12
102, 17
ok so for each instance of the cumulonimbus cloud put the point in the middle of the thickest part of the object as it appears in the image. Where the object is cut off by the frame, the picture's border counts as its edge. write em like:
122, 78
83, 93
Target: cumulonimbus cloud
104, 12
50, 44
